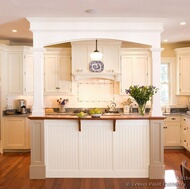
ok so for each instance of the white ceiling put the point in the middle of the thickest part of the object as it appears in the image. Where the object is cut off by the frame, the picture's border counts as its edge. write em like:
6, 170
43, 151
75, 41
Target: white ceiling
14, 12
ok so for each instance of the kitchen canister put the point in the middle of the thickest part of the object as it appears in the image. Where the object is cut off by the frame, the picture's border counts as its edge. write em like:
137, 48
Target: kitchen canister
167, 109
126, 109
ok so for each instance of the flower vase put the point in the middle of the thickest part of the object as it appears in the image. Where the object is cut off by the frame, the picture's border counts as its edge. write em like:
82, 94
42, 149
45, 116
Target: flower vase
141, 109
61, 109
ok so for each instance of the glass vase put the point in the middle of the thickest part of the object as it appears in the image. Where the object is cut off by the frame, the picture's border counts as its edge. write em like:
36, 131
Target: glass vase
141, 109
61, 108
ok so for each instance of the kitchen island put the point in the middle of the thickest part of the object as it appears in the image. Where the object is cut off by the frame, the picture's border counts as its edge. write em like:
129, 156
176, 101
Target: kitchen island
110, 146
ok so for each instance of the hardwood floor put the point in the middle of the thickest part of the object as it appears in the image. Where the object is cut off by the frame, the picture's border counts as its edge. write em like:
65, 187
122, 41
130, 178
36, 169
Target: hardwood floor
14, 174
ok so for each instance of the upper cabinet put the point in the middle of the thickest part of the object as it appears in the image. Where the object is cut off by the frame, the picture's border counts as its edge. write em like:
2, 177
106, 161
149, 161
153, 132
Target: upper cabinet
15, 73
81, 59
135, 68
28, 73
182, 66
20, 70
57, 71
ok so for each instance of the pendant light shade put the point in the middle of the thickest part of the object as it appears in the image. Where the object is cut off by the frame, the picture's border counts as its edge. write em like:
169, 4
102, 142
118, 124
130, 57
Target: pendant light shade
96, 55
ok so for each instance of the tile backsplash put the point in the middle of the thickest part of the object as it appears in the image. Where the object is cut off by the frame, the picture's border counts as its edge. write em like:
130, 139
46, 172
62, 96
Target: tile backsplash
98, 91
89, 93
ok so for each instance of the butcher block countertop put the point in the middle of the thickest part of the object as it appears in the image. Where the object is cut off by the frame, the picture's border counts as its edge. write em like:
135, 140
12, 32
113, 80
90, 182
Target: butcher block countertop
103, 117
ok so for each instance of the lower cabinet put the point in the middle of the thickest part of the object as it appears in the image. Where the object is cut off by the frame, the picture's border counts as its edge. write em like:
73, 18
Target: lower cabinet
172, 132
16, 133
185, 132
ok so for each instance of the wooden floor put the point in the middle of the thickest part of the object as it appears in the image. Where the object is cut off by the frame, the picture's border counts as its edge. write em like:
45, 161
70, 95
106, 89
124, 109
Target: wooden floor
14, 174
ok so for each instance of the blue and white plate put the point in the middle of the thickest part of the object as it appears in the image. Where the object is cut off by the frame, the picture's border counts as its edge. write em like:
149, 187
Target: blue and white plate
96, 66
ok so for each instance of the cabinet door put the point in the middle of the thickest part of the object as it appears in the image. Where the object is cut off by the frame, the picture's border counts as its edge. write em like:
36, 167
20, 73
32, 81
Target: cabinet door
28, 74
172, 131
184, 76
80, 60
172, 137
110, 58
14, 133
64, 74
15, 73
126, 72
50, 74
134, 70
0, 64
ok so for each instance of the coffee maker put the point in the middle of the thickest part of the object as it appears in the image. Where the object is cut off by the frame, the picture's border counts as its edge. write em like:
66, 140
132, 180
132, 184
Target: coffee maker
21, 106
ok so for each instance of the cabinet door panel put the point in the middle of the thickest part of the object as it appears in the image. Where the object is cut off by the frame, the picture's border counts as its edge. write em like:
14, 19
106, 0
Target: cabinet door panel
64, 74
172, 134
126, 67
140, 71
184, 75
110, 57
14, 133
15, 73
50, 78
29, 72
80, 60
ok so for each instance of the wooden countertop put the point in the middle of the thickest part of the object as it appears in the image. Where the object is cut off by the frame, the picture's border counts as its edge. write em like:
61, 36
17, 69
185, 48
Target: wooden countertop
103, 117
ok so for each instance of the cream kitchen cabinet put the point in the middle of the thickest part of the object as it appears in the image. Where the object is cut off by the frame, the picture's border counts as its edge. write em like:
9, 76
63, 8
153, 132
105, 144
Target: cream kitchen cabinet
81, 56
28, 73
57, 72
183, 66
16, 133
20, 70
135, 68
15, 73
172, 136
185, 132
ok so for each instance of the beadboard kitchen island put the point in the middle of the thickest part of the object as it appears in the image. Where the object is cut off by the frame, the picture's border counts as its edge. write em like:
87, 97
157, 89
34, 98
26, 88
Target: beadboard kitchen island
65, 146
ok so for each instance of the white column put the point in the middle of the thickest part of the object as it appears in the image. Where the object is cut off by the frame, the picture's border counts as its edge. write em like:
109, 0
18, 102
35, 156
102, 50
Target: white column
38, 104
156, 61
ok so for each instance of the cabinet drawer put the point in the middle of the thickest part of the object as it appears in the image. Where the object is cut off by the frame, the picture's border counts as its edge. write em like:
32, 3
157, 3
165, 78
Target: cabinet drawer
172, 118
185, 120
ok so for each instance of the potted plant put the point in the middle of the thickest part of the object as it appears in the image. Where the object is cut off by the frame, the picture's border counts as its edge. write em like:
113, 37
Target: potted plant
141, 94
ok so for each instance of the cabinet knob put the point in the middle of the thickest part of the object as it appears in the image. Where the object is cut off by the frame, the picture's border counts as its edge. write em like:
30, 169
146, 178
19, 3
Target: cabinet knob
173, 118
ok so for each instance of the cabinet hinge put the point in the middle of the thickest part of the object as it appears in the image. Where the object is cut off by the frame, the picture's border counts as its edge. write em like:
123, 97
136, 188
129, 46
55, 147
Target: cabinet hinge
179, 58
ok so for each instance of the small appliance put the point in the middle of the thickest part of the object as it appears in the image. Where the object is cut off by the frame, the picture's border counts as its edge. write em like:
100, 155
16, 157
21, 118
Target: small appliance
21, 106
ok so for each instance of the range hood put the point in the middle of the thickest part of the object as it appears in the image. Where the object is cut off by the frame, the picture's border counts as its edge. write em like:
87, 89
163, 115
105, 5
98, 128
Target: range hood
83, 67
87, 75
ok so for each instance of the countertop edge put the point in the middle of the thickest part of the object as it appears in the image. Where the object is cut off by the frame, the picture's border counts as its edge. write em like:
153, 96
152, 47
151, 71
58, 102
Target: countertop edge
128, 117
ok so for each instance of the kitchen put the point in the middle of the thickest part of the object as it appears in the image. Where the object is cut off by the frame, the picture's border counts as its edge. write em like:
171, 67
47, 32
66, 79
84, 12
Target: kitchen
41, 100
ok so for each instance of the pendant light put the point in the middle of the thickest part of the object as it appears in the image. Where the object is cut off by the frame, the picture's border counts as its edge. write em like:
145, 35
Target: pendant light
96, 55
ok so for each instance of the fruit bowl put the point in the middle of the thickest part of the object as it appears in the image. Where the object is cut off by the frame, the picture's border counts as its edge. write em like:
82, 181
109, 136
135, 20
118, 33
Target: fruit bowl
81, 115
96, 115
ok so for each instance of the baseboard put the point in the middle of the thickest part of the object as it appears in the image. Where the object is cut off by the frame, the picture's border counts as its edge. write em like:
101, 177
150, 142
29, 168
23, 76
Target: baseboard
16, 150
1, 150
174, 147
